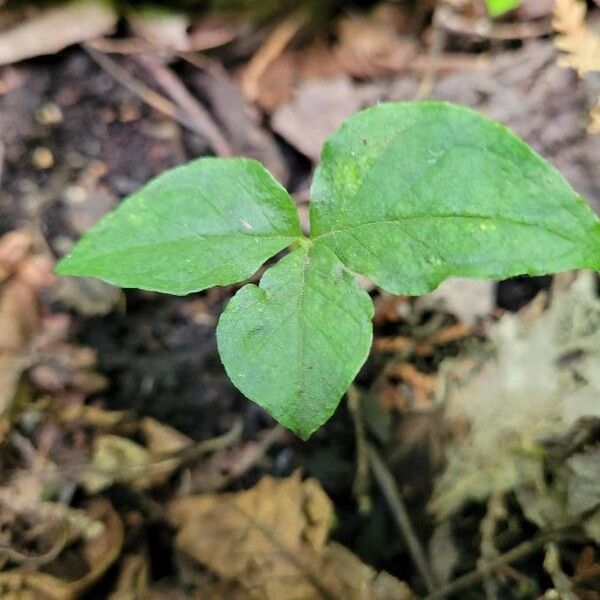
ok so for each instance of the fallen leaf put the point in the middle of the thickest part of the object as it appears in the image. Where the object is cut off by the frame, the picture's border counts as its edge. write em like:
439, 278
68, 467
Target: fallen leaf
580, 44
99, 552
316, 110
115, 458
368, 47
538, 380
53, 29
271, 541
119, 459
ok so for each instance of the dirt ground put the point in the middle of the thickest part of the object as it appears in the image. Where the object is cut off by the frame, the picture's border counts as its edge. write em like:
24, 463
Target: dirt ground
117, 414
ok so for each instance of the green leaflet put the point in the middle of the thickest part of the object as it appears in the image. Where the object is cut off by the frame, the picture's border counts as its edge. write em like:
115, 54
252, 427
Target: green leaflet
497, 8
294, 344
209, 222
409, 194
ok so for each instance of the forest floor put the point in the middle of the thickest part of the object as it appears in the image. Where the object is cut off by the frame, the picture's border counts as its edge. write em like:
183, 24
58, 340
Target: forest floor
465, 462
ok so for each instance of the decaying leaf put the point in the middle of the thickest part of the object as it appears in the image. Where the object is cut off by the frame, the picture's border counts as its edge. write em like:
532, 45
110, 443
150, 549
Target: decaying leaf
316, 110
24, 276
271, 542
540, 379
580, 44
116, 458
98, 552
172, 29
56, 28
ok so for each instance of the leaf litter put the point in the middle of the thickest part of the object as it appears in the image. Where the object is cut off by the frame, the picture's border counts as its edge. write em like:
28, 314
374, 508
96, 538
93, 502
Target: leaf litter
58, 436
536, 385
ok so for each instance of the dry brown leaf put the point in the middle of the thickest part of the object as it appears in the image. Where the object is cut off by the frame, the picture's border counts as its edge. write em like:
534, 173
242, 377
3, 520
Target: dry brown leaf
317, 109
594, 124
24, 275
174, 30
368, 47
99, 552
116, 458
580, 44
271, 542
53, 29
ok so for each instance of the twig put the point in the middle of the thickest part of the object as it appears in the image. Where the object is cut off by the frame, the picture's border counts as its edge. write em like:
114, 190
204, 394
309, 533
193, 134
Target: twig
488, 550
60, 541
145, 93
1, 161
520, 551
274, 45
390, 490
438, 41
361, 486
562, 584
174, 88
185, 454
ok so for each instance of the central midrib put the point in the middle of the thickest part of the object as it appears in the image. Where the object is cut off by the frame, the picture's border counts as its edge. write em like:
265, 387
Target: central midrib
398, 222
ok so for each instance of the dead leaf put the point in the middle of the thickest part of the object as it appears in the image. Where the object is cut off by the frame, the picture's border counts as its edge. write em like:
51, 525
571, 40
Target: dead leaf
25, 274
271, 542
316, 110
14, 248
55, 28
115, 458
368, 47
119, 459
175, 30
539, 381
580, 44
99, 552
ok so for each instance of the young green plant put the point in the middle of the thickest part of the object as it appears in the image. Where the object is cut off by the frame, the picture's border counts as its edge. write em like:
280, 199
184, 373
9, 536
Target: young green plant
406, 194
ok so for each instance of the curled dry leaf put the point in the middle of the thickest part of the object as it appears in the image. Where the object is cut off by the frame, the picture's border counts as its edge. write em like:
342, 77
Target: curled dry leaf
174, 30
271, 542
116, 458
53, 29
20, 316
98, 552
576, 39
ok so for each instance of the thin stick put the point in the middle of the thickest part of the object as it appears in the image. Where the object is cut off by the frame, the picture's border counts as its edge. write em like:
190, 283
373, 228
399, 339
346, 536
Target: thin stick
438, 41
520, 551
275, 44
392, 495
360, 487
1, 161
147, 94
173, 86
